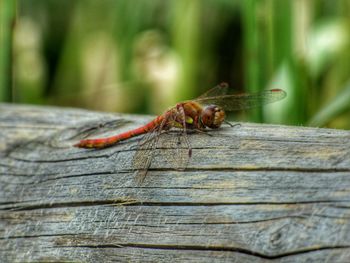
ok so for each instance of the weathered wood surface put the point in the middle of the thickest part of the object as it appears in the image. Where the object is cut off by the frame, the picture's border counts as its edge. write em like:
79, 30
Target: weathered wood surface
252, 193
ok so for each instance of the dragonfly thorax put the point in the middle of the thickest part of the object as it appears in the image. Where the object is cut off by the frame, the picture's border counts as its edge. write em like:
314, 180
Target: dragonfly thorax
212, 116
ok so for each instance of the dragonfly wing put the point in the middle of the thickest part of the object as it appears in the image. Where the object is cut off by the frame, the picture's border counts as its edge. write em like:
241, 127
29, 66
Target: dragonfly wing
243, 101
218, 90
179, 151
169, 147
145, 150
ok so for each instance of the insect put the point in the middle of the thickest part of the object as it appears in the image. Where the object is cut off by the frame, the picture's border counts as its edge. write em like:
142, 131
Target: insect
198, 115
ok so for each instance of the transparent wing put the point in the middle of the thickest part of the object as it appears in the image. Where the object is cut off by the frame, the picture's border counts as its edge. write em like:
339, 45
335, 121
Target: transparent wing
243, 101
172, 149
218, 90
145, 150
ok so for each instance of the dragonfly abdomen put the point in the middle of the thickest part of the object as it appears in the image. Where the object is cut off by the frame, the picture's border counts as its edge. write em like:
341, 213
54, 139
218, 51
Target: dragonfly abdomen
109, 141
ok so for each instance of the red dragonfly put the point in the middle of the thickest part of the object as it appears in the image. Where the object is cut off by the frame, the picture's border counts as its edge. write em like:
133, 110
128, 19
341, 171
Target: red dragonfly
206, 111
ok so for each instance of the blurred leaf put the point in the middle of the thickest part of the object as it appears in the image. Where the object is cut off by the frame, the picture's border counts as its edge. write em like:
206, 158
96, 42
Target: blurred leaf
339, 105
185, 34
279, 112
7, 20
251, 50
325, 42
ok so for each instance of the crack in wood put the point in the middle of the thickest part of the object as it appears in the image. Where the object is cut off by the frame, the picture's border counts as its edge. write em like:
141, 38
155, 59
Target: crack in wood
212, 248
134, 202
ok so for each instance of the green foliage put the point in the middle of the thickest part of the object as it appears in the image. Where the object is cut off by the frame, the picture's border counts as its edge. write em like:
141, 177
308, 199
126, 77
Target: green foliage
143, 56
7, 18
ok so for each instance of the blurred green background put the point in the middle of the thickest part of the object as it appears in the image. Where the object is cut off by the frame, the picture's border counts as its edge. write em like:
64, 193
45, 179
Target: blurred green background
142, 56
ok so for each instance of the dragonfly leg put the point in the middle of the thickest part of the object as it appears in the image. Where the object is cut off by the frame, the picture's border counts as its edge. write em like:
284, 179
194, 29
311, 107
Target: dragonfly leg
232, 125
181, 111
205, 132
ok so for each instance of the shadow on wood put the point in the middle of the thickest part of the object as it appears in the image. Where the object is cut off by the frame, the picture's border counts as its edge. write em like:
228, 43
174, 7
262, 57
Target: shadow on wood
249, 194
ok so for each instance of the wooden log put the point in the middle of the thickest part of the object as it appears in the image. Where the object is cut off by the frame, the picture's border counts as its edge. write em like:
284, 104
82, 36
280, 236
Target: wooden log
251, 193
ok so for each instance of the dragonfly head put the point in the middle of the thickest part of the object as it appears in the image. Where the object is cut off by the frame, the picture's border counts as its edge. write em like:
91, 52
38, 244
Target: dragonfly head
212, 116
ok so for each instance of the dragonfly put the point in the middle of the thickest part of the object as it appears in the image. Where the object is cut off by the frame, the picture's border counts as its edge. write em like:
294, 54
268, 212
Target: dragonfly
206, 112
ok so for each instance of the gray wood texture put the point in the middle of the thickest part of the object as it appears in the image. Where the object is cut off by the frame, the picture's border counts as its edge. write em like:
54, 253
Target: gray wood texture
251, 193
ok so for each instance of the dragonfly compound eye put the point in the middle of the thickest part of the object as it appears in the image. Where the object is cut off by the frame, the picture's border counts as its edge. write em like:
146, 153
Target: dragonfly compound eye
212, 116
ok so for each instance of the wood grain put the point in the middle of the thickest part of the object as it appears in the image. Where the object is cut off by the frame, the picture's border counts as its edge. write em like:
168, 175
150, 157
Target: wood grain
252, 193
